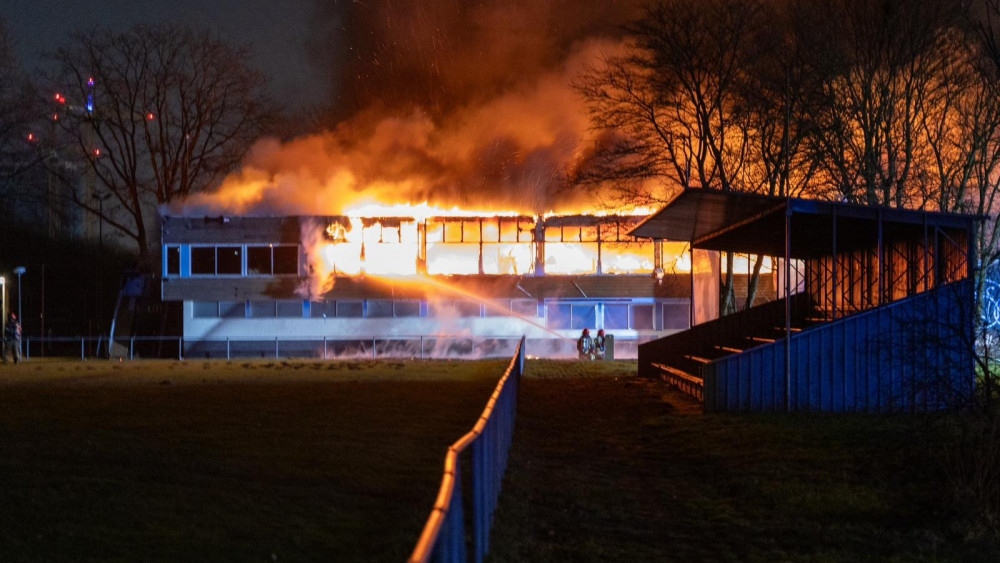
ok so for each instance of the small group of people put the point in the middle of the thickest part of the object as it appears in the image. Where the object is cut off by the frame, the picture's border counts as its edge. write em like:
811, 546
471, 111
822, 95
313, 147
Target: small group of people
12, 339
592, 348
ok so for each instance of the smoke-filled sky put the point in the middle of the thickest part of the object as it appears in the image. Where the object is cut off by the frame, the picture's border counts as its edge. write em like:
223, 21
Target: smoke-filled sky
453, 102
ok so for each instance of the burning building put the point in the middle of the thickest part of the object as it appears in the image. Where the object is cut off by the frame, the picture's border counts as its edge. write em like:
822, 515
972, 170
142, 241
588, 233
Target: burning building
419, 285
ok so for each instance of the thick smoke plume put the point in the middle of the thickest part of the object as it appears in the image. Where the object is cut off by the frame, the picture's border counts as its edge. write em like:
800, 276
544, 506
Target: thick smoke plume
453, 105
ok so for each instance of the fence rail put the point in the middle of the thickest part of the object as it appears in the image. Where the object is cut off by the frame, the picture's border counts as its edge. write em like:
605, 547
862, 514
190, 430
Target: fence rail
263, 347
443, 537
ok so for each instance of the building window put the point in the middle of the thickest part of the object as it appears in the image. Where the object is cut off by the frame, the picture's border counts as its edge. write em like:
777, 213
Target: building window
406, 308
289, 309
286, 260
558, 316
676, 316
232, 309
642, 317
229, 260
259, 260
616, 317
203, 260
205, 309
173, 261
350, 309
262, 309
379, 308
584, 316
496, 308
524, 307
322, 309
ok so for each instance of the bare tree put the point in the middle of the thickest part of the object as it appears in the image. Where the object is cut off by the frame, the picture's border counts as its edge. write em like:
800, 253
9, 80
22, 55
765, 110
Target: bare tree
156, 113
670, 105
884, 65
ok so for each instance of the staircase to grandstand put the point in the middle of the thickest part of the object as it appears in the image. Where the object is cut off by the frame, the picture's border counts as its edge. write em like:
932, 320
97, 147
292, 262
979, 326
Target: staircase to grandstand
680, 359
912, 354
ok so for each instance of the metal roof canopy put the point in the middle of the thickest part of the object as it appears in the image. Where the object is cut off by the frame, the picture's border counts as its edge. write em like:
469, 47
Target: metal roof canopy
755, 224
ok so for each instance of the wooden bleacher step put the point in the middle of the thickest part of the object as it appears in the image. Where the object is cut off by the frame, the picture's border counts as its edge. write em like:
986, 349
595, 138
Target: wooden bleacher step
698, 359
729, 349
680, 374
761, 339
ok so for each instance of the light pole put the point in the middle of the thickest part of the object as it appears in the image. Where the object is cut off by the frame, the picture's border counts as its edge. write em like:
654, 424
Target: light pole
19, 271
3, 297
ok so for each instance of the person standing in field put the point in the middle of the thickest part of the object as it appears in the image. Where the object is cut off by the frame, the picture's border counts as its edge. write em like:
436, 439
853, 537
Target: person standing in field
12, 339
585, 345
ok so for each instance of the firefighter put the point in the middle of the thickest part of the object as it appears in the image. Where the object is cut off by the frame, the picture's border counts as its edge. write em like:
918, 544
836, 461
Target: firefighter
600, 347
585, 345
12, 339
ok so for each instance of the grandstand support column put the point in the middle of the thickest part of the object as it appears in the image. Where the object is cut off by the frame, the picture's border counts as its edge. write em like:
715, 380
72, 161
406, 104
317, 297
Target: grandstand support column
881, 263
788, 308
836, 269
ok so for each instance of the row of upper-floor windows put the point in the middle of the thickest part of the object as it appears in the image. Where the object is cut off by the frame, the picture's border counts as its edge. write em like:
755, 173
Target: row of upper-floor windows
235, 260
554, 315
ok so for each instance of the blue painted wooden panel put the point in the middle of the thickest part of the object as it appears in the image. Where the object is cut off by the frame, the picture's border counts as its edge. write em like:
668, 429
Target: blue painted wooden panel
912, 355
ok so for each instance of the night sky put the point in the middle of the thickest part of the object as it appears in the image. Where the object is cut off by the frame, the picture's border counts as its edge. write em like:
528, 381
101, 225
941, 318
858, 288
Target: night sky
277, 32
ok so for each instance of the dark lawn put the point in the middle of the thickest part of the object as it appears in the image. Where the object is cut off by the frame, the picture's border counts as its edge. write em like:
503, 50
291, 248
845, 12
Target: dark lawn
607, 469
324, 461
341, 461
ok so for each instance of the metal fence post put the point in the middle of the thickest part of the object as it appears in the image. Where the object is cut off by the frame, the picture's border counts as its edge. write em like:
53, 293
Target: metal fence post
83, 349
276, 356
131, 349
324, 347
227, 349
180, 348
373, 347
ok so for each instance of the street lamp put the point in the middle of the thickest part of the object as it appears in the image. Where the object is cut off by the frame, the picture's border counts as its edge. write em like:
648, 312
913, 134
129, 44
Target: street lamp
3, 297
19, 271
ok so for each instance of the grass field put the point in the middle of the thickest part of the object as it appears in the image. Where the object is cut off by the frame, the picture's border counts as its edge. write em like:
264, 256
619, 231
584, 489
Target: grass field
340, 461
199, 461
619, 469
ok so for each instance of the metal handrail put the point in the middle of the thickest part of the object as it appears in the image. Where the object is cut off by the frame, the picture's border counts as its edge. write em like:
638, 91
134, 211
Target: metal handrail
430, 544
